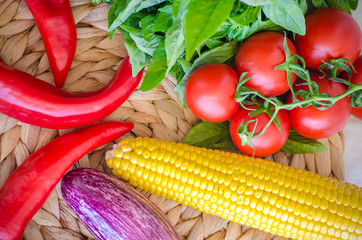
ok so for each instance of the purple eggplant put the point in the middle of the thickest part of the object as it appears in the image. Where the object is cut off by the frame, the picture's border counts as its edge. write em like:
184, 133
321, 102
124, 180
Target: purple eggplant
111, 210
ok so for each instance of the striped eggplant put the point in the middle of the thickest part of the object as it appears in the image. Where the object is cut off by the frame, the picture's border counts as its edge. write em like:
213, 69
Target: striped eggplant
111, 209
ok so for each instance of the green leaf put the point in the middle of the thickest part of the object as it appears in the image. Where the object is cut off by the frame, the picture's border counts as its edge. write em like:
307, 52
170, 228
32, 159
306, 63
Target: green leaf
317, 3
146, 24
203, 18
148, 47
184, 64
138, 59
219, 54
341, 4
210, 135
126, 11
287, 14
303, 5
157, 69
163, 19
248, 23
177, 5
258, 2
174, 39
249, 15
353, 4
213, 43
111, 18
148, 3
297, 144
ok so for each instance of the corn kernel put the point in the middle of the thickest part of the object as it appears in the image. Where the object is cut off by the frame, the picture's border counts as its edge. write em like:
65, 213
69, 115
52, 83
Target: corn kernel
316, 202
184, 175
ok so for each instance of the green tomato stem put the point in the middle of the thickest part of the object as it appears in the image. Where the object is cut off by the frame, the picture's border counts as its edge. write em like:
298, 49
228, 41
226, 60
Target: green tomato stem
352, 88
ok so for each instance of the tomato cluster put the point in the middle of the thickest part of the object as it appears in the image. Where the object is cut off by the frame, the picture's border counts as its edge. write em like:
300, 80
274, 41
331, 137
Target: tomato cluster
330, 34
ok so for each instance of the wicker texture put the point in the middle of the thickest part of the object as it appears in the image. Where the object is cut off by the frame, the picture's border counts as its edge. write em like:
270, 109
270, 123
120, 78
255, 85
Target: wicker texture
156, 113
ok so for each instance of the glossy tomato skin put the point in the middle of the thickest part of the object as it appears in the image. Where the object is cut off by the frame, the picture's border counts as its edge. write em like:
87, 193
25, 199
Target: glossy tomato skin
258, 56
356, 78
331, 33
210, 90
270, 142
313, 123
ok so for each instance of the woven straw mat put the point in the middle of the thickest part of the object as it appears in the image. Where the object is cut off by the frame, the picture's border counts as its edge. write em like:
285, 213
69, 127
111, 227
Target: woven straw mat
156, 113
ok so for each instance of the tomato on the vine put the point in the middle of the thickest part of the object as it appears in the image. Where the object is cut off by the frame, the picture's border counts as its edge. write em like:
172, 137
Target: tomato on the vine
331, 33
210, 90
266, 144
315, 123
258, 56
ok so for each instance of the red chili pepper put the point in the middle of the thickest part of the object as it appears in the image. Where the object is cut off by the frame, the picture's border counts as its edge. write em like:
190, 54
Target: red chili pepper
36, 102
55, 21
28, 187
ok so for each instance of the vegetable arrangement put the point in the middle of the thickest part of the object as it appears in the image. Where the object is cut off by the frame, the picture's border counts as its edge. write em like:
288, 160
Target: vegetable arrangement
272, 197
111, 209
196, 41
27, 188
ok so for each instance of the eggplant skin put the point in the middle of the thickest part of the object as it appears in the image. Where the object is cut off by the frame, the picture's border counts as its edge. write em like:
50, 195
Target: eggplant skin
111, 210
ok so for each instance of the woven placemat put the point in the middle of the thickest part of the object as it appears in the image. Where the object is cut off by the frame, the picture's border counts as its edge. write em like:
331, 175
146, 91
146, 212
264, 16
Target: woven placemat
156, 113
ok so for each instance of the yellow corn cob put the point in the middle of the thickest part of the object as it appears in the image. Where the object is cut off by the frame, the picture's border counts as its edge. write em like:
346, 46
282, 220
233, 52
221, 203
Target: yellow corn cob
262, 194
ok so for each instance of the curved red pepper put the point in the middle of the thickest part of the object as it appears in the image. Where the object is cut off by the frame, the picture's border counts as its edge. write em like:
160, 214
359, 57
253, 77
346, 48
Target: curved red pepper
36, 102
28, 187
55, 21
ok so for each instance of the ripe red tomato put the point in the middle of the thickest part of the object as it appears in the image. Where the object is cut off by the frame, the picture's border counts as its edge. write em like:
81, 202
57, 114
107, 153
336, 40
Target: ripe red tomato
258, 56
210, 90
331, 33
313, 123
356, 78
266, 144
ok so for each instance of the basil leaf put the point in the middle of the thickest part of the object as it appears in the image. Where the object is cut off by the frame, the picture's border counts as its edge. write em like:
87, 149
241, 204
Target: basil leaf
146, 24
219, 54
148, 47
258, 2
303, 5
213, 43
137, 58
157, 69
126, 10
209, 135
287, 14
186, 66
226, 145
298, 144
148, 3
163, 20
317, 3
341, 4
248, 23
249, 15
174, 39
203, 18
353, 4
111, 18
